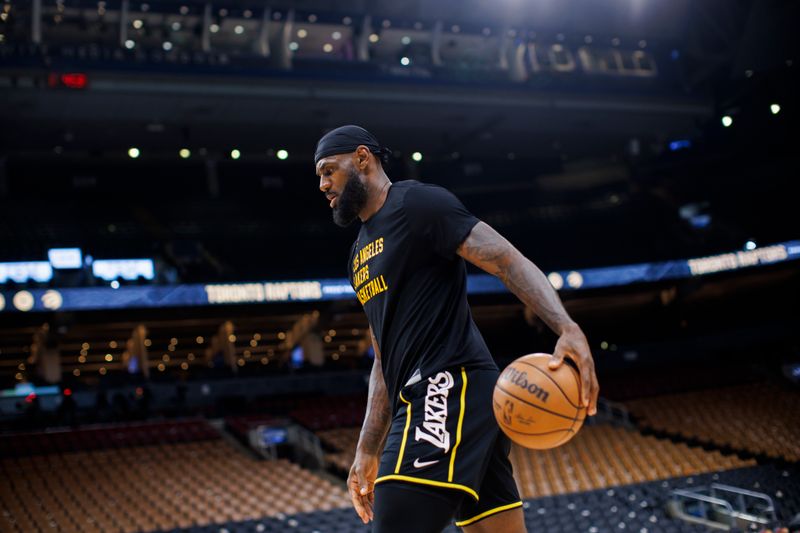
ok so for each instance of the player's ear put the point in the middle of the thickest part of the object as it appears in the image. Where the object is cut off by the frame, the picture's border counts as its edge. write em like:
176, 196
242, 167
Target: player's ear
362, 155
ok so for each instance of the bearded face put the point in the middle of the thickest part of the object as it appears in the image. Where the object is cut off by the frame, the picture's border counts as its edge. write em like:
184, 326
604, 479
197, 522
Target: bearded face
351, 201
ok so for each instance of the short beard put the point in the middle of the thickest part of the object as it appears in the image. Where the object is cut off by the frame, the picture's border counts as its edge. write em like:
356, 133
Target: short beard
351, 201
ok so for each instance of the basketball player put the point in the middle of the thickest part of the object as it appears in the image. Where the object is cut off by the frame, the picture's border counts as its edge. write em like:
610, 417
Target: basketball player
430, 450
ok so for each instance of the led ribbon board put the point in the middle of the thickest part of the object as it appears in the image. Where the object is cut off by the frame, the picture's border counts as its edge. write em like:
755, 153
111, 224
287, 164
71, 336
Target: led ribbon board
92, 298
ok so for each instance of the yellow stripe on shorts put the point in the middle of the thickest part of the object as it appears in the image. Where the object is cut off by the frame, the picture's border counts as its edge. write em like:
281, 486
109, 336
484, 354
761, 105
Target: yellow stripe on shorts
405, 435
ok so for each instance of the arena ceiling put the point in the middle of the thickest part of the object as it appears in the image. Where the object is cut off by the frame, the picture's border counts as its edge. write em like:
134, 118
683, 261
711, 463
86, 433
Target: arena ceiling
256, 115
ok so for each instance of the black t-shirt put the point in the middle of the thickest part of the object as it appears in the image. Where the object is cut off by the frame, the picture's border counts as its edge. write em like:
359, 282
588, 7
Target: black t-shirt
413, 286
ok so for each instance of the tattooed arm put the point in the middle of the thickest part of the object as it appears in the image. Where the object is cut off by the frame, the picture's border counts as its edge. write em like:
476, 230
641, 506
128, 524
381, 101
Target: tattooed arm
487, 249
360, 482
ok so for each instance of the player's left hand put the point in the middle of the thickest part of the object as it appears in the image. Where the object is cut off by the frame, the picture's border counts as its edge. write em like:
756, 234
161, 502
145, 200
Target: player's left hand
573, 344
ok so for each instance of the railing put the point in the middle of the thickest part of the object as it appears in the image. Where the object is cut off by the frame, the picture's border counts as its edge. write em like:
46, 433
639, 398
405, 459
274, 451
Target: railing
308, 449
722, 507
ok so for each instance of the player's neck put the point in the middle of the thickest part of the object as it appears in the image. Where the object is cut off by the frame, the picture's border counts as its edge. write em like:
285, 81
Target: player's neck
377, 197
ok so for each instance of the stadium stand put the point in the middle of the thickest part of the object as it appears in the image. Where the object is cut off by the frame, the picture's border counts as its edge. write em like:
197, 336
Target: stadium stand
178, 348
638, 507
598, 457
758, 418
606, 456
154, 486
105, 437
64, 478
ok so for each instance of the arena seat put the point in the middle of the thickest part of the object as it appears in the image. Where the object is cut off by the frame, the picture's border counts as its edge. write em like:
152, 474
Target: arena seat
757, 418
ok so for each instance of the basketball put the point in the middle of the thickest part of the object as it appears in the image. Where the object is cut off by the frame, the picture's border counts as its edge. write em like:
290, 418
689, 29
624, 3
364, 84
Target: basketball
538, 408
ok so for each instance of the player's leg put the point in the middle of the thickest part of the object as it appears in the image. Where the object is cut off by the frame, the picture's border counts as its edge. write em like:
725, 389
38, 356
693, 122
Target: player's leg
405, 508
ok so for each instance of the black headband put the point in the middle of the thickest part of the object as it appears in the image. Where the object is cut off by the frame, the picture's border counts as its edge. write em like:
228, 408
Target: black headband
346, 139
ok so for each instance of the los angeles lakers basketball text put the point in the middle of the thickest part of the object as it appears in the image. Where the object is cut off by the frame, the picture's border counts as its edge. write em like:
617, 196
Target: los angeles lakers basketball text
365, 287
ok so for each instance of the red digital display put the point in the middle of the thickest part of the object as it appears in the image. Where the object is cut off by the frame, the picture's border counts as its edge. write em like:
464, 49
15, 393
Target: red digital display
74, 80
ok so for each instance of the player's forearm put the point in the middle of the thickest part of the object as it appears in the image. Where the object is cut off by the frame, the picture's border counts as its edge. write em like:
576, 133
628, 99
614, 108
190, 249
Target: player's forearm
487, 249
378, 416
531, 286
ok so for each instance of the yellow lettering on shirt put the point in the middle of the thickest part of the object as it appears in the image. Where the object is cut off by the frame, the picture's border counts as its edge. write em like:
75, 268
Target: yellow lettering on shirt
367, 252
371, 289
365, 287
361, 276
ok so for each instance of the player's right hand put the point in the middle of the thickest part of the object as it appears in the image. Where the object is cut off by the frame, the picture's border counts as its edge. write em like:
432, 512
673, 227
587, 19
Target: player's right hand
361, 484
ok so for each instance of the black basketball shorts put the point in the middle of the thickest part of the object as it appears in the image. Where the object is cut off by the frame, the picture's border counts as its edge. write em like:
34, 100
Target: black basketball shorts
445, 435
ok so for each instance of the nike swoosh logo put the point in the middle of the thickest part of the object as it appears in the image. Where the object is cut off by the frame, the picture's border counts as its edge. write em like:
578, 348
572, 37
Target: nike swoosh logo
420, 464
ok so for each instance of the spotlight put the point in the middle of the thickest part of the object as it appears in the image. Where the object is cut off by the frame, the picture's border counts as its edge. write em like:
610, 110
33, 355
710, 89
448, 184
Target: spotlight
302, 33
184, 153
238, 29
327, 48
750, 245
129, 44
115, 284
406, 39
405, 61
293, 46
214, 28
417, 156
556, 280
775, 108
133, 153
575, 279
374, 38
282, 155
138, 24
727, 121
235, 154
336, 35
167, 46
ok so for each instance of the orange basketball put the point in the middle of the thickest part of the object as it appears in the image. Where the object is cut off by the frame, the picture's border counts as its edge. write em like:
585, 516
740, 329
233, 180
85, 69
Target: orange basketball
535, 406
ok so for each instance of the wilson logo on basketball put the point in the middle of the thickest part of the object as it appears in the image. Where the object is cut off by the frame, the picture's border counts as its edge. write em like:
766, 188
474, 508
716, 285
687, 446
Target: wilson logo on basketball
520, 379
